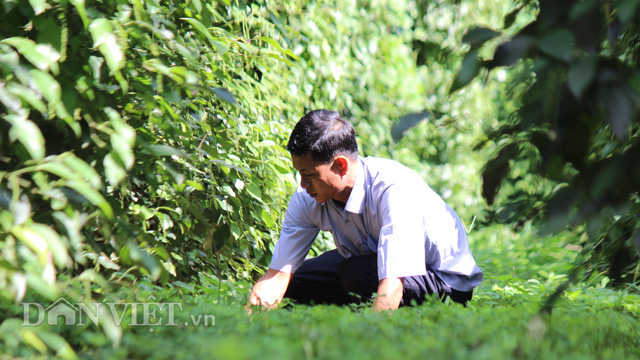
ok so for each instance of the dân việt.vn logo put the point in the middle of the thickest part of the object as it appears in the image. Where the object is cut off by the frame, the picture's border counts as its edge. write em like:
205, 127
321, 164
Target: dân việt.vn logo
63, 312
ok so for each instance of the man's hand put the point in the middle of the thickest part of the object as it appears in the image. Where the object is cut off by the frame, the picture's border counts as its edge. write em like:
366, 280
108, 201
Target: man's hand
269, 289
389, 294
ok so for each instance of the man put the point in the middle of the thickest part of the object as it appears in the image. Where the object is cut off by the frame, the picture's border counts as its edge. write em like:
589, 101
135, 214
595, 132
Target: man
394, 235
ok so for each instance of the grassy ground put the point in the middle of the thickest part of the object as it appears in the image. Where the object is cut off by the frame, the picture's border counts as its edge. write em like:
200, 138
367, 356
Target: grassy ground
502, 322
574, 331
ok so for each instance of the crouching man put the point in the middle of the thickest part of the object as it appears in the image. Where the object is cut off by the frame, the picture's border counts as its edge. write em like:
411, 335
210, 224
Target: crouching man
394, 235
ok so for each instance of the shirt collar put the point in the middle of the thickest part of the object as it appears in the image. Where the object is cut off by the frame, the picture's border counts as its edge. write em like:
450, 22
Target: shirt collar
355, 203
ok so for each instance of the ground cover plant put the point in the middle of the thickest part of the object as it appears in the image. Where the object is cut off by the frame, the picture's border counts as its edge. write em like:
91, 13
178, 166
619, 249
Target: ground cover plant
142, 161
503, 321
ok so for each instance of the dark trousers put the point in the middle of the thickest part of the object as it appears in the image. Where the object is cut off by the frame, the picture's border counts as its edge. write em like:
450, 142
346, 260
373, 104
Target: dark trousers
332, 279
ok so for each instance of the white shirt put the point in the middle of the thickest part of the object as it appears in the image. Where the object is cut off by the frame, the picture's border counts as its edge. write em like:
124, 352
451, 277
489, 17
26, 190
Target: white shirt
391, 211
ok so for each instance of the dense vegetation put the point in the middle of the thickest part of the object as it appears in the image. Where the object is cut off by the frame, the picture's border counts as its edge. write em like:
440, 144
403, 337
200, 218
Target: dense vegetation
142, 156
574, 122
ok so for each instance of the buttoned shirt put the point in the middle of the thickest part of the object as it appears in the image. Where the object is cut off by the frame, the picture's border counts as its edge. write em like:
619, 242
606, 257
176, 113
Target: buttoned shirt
392, 212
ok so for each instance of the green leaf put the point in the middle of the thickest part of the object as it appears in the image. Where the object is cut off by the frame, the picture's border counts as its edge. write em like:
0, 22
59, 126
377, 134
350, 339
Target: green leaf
221, 236
195, 185
267, 218
468, 71
54, 242
495, 170
274, 56
10, 100
29, 337
579, 10
114, 172
251, 49
39, 6
93, 196
235, 231
275, 44
511, 17
120, 145
56, 168
123, 139
626, 10
50, 31
230, 166
58, 344
81, 170
281, 166
21, 210
73, 226
42, 56
29, 135
121, 127
479, 35
149, 262
225, 95
196, 212
220, 47
156, 65
66, 168
510, 52
581, 75
58, 199
34, 240
165, 150
179, 70
109, 326
27, 95
107, 42
407, 122
47, 85
175, 73
254, 191
558, 44
82, 11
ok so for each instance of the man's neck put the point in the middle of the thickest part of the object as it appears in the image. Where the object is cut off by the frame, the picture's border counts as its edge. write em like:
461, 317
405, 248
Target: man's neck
350, 180
339, 204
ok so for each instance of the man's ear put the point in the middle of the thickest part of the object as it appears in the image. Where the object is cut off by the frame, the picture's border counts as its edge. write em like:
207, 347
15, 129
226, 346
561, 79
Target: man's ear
342, 165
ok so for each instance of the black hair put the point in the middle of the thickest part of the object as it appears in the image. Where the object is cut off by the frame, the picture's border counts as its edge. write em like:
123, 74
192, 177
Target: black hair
323, 134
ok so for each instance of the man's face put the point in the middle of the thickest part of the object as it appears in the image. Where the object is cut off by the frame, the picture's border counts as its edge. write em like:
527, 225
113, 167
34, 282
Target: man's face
322, 182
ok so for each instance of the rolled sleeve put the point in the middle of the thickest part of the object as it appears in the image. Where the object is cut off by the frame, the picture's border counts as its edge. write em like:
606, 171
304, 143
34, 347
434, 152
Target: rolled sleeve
296, 237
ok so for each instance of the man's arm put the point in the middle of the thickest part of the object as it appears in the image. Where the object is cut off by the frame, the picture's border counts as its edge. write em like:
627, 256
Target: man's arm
389, 294
401, 243
270, 288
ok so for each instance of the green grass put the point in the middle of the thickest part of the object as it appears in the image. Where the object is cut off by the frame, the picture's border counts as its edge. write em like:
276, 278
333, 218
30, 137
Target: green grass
591, 321
433, 330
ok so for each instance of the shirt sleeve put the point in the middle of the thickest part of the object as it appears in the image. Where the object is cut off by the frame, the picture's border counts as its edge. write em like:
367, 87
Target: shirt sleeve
297, 236
401, 245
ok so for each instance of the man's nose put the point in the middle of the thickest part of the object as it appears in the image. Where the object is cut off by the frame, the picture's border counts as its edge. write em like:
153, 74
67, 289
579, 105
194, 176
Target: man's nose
304, 183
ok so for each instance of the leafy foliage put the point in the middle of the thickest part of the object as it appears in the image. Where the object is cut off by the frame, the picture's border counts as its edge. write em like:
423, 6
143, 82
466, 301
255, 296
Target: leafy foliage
134, 139
575, 123
141, 154
145, 137
590, 321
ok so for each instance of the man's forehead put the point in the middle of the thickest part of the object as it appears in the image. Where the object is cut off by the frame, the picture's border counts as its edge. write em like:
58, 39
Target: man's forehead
301, 163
